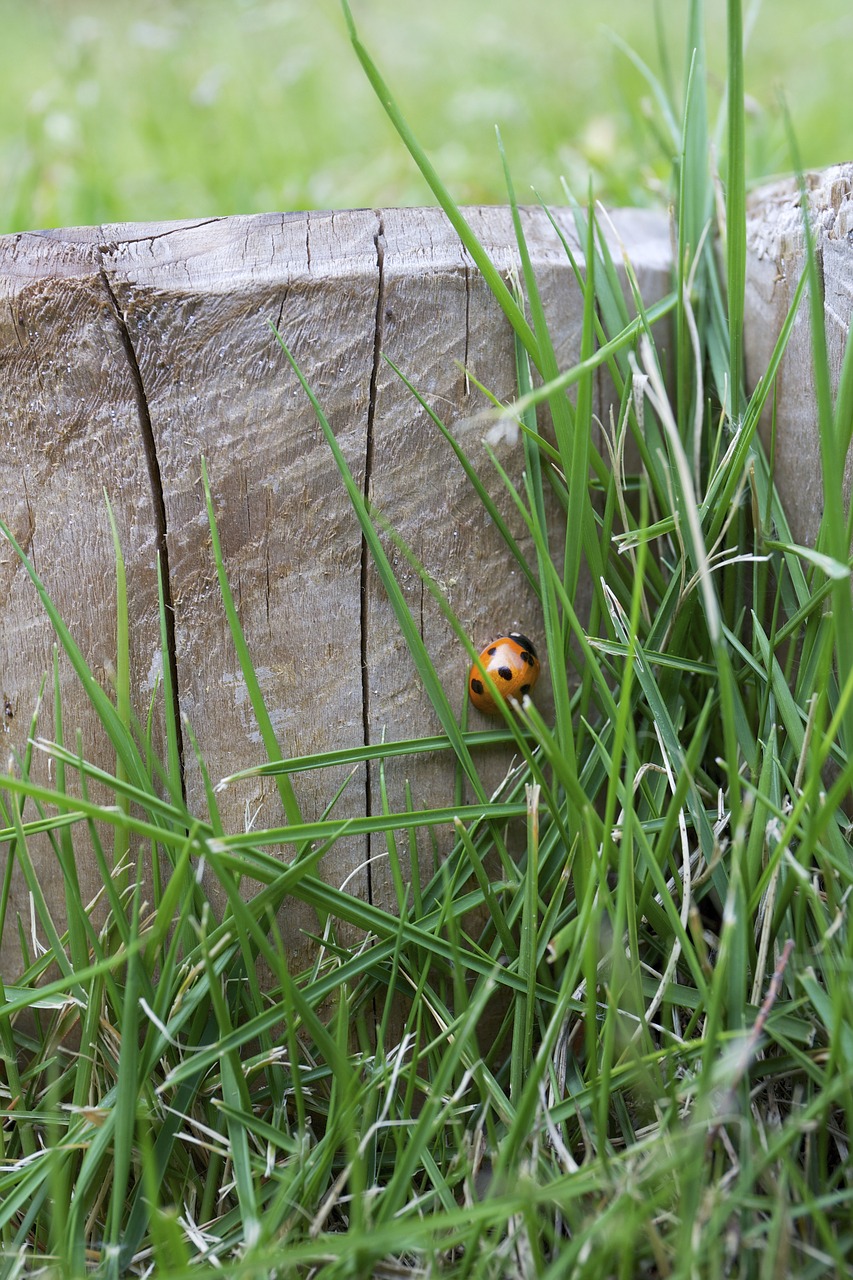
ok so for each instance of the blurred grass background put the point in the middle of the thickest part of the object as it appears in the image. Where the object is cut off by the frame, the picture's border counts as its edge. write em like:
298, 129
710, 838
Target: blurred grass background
158, 109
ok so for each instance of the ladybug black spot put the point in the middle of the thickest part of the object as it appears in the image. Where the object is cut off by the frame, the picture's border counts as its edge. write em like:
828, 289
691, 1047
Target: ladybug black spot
524, 690
505, 673
492, 649
524, 642
477, 685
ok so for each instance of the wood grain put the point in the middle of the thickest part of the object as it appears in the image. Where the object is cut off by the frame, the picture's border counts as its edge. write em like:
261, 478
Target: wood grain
128, 353
775, 262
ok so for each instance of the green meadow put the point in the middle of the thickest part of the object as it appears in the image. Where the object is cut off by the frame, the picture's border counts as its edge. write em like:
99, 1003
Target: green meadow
111, 111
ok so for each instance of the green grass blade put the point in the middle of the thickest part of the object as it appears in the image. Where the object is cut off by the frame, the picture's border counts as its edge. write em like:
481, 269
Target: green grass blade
489, 272
735, 203
408, 626
256, 697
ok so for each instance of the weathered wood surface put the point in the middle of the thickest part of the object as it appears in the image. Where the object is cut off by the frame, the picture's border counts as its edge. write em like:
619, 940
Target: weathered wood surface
775, 263
129, 352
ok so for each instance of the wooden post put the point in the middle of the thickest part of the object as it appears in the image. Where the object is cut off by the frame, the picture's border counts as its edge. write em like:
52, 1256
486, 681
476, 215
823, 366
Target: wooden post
776, 260
129, 352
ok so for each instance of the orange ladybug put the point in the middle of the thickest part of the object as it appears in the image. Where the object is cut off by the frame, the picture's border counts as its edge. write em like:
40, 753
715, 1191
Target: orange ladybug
512, 663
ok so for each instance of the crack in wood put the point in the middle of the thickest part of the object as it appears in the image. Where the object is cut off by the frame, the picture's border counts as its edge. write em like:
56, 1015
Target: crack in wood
158, 502
151, 237
378, 332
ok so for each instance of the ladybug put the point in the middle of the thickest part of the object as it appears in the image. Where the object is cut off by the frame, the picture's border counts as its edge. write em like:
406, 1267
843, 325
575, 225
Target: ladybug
512, 663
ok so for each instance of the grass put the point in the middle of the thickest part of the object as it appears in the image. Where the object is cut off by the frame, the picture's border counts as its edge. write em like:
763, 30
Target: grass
156, 110
665, 1088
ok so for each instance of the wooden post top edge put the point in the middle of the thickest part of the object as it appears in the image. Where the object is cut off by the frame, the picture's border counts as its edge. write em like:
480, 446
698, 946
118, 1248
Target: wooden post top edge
775, 215
225, 254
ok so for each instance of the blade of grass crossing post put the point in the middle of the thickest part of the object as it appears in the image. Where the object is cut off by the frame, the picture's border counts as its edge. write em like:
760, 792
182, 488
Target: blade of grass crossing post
125, 1101
122, 675
64, 843
674, 750
833, 432
486, 267
122, 672
571, 428
268, 736
562, 415
688, 240
525, 1004
117, 731
735, 204
40, 908
391, 844
249, 933
408, 626
611, 309
844, 418
484, 497
625, 700
553, 580
695, 196
580, 516
656, 312
555, 626
511, 720
723, 484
